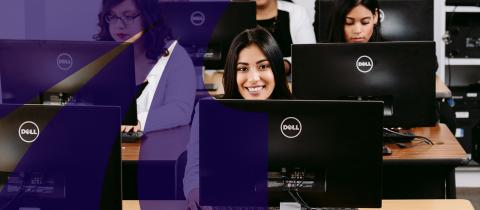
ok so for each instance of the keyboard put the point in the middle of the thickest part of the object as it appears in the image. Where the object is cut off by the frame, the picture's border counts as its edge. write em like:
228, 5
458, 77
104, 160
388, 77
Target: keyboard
131, 136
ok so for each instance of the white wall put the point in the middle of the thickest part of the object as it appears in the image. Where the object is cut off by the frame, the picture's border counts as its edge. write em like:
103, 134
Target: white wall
439, 31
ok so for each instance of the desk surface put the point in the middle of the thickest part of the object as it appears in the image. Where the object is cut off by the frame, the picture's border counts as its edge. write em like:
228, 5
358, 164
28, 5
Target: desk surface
160, 145
215, 77
446, 148
456, 204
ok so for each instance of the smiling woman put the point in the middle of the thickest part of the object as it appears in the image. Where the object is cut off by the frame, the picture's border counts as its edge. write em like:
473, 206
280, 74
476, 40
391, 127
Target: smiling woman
254, 70
254, 67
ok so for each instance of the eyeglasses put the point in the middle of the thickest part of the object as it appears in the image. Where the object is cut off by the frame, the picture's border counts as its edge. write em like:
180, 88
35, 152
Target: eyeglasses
127, 20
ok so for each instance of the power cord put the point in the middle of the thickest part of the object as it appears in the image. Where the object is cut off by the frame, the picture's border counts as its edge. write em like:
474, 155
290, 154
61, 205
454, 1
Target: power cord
425, 139
292, 184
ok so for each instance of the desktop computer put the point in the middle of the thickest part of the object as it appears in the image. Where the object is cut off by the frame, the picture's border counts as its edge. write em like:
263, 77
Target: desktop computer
319, 153
46, 164
206, 28
401, 74
69, 72
401, 20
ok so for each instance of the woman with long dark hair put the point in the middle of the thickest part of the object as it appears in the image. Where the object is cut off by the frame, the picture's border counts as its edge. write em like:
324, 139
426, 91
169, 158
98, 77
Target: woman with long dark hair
160, 63
355, 21
253, 71
254, 67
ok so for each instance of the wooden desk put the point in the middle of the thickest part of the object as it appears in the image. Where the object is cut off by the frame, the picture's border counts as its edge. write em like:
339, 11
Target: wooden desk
160, 145
424, 171
152, 164
446, 148
421, 172
215, 77
454, 204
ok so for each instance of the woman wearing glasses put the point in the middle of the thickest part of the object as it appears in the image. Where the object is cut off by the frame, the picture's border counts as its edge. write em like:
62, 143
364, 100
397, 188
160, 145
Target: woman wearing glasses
160, 63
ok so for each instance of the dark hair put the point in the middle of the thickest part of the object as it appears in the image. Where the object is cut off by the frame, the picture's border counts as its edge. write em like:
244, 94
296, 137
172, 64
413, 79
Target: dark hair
156, 34
339, 13
265, 41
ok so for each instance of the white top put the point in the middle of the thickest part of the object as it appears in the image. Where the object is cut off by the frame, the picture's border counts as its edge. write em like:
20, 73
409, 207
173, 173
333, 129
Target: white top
145, 99
301, 26
309, 5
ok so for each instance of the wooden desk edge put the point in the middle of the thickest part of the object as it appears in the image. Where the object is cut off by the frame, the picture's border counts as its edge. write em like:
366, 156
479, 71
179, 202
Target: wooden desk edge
433, 204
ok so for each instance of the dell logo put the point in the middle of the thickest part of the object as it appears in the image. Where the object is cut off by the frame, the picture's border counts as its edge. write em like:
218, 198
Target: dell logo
28, 131
64, 61
364, 64
382, 15
197, 18
291, 127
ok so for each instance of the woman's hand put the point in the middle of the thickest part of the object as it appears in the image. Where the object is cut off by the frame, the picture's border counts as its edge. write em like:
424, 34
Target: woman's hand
128, 128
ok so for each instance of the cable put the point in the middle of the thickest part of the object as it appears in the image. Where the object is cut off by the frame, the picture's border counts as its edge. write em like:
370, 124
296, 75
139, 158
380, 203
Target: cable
301, 199
426, 140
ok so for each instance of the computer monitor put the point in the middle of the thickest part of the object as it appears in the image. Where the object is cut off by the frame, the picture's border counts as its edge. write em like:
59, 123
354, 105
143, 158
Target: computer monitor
206, 28
252, 153
46, 162
401, 74
401, 20
59, 72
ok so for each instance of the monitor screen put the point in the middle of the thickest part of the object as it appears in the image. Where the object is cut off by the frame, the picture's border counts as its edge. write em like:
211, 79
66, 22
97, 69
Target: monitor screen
60, 72
401, 74
255, 153
47, 161
401, 20
206, 28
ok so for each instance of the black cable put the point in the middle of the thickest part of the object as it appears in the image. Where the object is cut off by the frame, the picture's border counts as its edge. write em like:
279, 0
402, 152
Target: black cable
293, 196
301, 199
427, 140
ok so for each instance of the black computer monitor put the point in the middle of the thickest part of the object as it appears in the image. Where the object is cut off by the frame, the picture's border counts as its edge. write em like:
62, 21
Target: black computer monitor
401, 74
401, 20
206, 28
46, 162
58, 72
252, 153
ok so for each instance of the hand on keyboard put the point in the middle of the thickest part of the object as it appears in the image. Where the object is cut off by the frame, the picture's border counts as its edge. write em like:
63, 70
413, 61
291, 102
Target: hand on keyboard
128, 128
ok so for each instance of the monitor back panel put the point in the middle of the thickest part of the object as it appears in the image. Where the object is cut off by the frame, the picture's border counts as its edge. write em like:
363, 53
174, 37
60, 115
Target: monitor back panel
338, 140
93, 73
47, 163
400, 73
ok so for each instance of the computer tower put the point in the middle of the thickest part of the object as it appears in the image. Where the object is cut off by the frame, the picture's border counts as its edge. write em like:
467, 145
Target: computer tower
467, 115
476, 142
